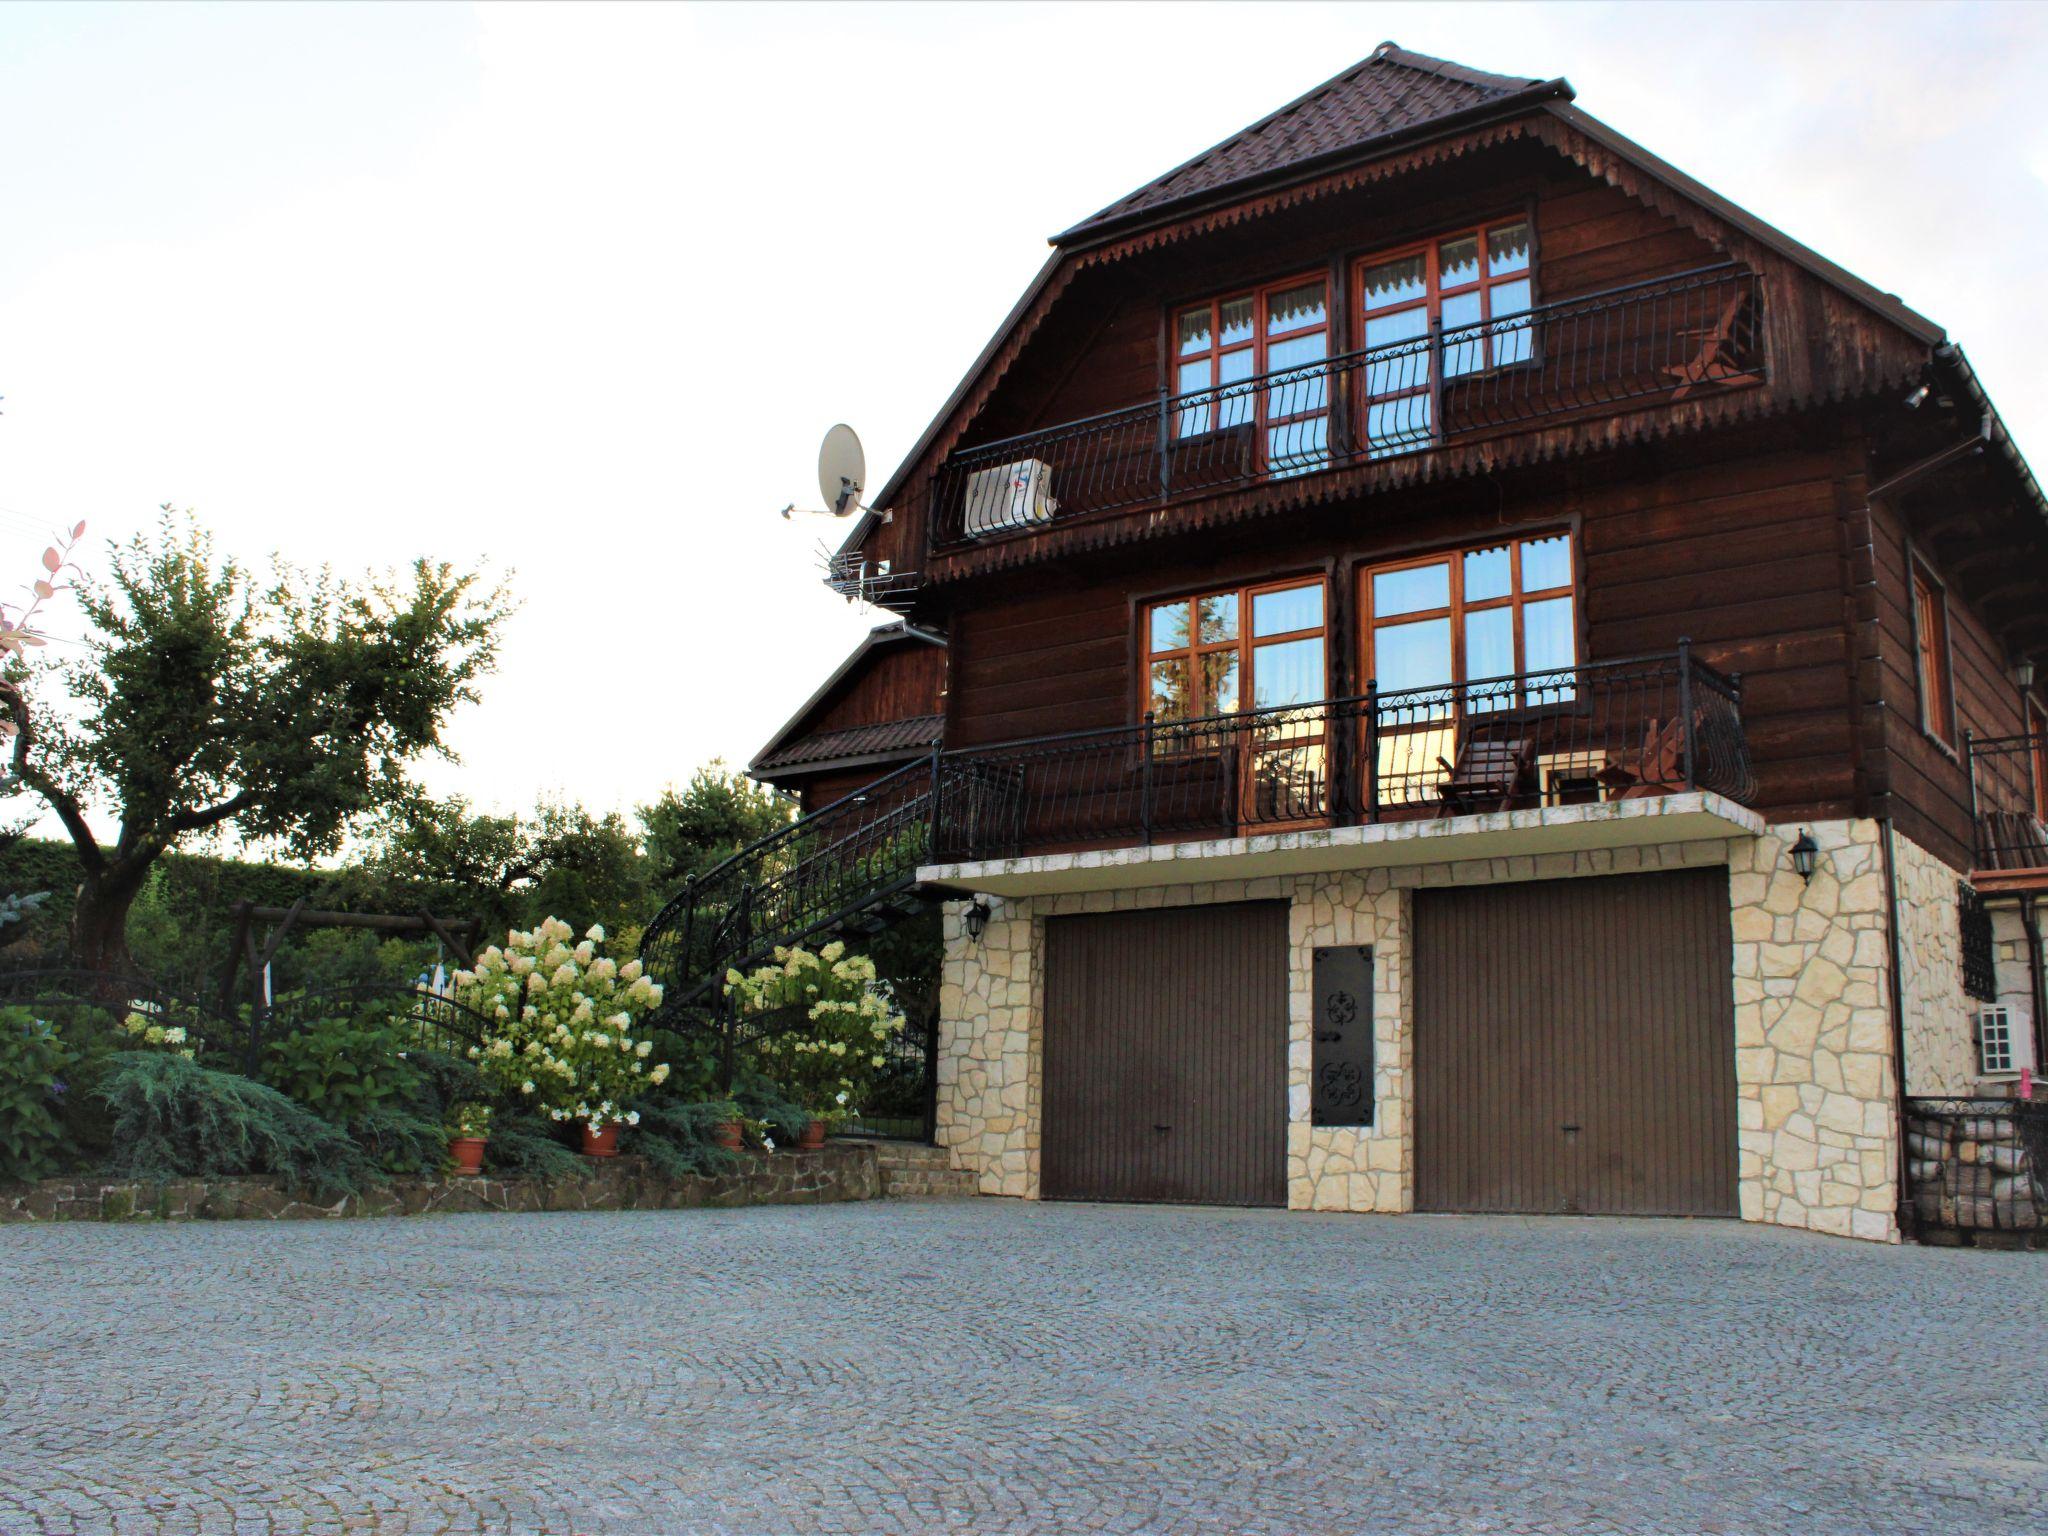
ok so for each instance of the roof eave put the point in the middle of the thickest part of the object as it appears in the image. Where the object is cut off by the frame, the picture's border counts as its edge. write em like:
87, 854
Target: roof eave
881, 635
1096, 230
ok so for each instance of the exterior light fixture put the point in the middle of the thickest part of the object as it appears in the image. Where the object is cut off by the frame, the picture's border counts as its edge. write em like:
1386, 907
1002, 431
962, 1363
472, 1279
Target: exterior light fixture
2022, 673
976, 919
1805, 853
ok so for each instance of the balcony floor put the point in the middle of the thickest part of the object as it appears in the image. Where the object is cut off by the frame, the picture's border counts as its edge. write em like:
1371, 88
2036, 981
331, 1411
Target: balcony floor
1678, 818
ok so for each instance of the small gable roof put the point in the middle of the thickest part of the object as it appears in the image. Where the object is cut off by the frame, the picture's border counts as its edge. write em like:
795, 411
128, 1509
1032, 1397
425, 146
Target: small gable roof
791, 747
1388, 93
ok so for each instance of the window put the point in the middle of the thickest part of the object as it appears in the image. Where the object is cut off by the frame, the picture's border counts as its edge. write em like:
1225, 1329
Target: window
1221, 346
1205, 659
1478, 284
1994, 1042
1930, 643
1497, 611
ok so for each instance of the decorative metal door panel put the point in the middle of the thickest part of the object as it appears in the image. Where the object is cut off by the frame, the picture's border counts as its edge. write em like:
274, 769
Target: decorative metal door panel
1165, 1056
1340, 1074
1575, 1046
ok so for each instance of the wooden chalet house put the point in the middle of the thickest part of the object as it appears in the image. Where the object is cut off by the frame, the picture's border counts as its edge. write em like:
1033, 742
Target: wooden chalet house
1442, 665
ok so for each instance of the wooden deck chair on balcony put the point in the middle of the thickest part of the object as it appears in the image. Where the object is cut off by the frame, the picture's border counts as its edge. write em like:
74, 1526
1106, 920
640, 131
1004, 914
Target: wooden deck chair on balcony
1487, 775
1657, 767
2012, 840
1716, 361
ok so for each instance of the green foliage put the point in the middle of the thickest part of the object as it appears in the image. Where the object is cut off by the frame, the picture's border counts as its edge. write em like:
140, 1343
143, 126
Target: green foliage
678, 1139
344, 1069
399, 1138
287, 710
32, 1066
525, 1146
718, 813
510, 870
173, 1118
760, 1100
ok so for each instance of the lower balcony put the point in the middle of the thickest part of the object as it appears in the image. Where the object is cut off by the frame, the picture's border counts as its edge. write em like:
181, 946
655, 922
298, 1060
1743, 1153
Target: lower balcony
2009, 802
1614, 754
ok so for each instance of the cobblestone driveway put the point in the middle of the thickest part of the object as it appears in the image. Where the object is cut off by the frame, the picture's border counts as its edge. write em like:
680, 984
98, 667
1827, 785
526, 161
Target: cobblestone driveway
997, 1367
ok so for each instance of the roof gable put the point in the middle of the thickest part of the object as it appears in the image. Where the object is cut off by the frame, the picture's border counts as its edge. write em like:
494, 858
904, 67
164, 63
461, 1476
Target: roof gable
790, 745
1388, 93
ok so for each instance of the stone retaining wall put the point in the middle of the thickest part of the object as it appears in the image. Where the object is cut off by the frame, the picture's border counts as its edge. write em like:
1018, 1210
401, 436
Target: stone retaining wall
836, 1172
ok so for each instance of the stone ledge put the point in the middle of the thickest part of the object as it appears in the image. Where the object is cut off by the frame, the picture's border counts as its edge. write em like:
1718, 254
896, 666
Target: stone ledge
848, 1171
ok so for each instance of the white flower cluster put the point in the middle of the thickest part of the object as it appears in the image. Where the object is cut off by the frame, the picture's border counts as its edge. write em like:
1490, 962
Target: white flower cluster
565, 1017
147, 1026
852, 1015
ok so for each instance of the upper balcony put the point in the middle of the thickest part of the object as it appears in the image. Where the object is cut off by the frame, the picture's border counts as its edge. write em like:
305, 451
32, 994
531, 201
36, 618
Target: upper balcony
2009, 802
1630, 348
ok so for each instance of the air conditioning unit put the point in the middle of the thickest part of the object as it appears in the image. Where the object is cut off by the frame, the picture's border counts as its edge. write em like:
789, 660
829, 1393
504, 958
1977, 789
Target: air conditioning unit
1008, 496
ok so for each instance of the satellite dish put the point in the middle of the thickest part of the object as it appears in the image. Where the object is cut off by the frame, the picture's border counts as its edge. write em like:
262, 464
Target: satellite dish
842, 470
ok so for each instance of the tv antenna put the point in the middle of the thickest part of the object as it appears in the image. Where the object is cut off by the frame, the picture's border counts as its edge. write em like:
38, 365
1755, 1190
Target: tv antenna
842, 473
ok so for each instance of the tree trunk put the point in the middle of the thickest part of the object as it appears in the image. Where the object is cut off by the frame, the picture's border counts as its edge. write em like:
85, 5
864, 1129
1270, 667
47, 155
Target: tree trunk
99, 923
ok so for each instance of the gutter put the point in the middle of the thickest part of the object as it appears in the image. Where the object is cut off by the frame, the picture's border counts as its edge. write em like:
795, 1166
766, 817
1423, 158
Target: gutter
1903, 1215
1950, 362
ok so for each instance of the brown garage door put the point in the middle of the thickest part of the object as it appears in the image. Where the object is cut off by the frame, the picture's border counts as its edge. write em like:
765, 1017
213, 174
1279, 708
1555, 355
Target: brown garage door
1166, 1056
1574, 1047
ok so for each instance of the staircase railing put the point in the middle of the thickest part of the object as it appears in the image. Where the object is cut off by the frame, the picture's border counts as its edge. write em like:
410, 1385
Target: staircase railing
803, 879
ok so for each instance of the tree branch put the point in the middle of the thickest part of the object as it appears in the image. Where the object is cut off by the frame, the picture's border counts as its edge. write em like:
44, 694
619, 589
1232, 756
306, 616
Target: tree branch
212, 816
59, 799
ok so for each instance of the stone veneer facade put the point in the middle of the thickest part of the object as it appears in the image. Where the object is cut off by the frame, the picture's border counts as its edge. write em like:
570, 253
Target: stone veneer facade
1816, 1120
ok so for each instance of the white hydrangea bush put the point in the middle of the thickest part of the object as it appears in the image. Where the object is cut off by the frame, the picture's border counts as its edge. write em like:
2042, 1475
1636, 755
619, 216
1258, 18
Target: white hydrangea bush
829, 1062
563, 1016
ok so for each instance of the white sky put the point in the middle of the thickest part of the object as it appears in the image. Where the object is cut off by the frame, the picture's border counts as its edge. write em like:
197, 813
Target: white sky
575, 291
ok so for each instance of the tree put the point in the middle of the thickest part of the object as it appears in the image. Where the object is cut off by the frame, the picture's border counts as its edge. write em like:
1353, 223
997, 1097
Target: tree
718, 813
285, 711
509, 870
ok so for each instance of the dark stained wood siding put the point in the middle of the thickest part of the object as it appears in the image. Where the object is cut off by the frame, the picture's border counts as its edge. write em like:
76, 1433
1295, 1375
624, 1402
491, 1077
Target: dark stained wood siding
1166, 1056
895, 683
1742, 556
1929, 782
1574, 1047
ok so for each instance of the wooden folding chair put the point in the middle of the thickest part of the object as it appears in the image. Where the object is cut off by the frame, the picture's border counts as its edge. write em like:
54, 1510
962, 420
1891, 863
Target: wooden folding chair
1655, 768
1716, 361
1489, 768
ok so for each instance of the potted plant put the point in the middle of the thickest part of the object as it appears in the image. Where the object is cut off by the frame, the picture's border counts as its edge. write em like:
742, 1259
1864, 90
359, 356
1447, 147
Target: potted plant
469, 1127
563, 1018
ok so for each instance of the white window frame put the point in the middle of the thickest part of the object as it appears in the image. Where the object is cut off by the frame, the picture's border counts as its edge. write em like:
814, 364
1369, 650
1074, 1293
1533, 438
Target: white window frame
1997, 1046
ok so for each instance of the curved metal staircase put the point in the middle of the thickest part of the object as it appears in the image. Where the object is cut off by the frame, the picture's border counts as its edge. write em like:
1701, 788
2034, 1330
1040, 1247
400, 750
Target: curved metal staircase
849, 868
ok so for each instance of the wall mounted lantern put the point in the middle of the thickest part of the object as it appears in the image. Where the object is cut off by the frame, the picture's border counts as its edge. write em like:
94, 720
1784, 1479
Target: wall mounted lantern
1805, 854
976, 919
2023, 673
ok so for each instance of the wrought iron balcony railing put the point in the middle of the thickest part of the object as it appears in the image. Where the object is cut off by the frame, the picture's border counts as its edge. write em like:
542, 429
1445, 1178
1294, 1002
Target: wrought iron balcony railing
2008, 796
1583, 735
1668, 339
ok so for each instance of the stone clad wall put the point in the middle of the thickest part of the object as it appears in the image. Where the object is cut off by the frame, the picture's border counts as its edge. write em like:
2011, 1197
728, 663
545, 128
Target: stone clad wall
1815, 1126
1815, 1107
1941, 1018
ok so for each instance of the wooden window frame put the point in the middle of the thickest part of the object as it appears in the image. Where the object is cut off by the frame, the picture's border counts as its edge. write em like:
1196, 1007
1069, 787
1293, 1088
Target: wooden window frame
1244, 644
1518, 598
1933, 672
1432, 297
1259, 344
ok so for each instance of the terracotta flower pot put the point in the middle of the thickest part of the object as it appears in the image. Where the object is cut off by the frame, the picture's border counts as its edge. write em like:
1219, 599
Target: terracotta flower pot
813, 1136
468, 1152
727, 1134
604, 1143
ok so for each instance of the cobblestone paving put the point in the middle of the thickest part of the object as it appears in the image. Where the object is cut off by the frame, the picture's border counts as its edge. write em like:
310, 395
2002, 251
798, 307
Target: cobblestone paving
998, 1367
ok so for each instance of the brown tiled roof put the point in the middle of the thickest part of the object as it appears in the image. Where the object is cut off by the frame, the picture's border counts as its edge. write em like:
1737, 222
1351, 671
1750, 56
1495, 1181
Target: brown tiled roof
1388, 92
920, 733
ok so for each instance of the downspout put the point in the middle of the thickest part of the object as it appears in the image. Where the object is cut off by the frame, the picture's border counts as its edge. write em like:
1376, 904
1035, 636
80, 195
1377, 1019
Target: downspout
1903, 1213
2030, 924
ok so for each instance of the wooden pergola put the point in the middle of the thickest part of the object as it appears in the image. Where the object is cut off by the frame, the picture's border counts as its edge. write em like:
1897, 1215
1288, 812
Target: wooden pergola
456, 933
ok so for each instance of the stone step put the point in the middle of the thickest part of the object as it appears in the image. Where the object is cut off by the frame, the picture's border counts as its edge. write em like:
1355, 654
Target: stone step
911, 1170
